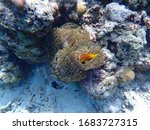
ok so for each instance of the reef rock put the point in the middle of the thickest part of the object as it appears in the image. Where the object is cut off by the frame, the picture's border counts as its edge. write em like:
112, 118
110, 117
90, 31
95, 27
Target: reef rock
117, 13
143, 62
24, 26
33, 17
104, 52
97, 87
137, 4
125, 74
11, 71
122, 36
120, 30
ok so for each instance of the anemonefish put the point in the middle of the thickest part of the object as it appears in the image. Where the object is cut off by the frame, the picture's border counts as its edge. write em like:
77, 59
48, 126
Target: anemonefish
86, 57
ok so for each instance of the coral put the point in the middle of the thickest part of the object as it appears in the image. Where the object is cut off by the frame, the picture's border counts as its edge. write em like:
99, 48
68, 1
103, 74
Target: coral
136, 4
67, 12
125, 74
33, 18
23, 28
97, 87
113, 26
100, 83
81, 8
128, 43
117, 13
26, 47
122, 35
93, 14
112, 39
30, 49
10, 68
143, 62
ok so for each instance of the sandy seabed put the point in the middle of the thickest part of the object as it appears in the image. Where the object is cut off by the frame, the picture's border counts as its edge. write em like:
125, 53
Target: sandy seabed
36, 94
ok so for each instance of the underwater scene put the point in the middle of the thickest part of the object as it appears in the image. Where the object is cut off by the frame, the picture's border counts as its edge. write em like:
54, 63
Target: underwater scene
74, 56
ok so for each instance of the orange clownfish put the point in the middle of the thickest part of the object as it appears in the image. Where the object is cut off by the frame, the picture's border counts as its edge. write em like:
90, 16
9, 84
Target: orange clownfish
86, 57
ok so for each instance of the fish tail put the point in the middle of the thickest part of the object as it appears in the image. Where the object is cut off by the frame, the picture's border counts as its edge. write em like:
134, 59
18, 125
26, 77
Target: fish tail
93, 55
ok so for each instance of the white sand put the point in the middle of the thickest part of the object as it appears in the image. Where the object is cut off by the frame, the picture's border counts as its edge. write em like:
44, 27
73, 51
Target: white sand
37, 95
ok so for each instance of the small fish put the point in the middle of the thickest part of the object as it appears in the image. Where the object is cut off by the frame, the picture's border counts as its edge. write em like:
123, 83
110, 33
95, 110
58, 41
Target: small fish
86, 57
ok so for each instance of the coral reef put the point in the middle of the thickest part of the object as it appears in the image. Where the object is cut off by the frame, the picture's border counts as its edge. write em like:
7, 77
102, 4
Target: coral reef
21, 26
66, 13
98, 43
10, 67
143, 62
137, 4
122, 35
24, 26
29, 18
99, 84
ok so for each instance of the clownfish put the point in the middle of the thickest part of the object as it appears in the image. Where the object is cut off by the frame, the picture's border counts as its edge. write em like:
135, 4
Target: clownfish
86, 57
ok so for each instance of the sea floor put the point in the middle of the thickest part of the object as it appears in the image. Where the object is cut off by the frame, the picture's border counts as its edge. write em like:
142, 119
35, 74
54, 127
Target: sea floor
36, 94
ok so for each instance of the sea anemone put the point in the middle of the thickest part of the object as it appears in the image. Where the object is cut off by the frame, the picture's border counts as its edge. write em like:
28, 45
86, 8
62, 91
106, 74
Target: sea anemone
65, 61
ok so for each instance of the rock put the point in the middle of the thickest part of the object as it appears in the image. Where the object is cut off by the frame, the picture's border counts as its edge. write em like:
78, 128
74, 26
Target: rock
128, 45
99, 84
24, 28
117, 13
24, 17
11, 72
136, 4
143, 63
67, 12
125, 74
81, 8
115, 35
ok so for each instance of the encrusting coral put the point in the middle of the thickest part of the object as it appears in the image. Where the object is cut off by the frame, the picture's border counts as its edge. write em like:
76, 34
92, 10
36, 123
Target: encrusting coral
125, 74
